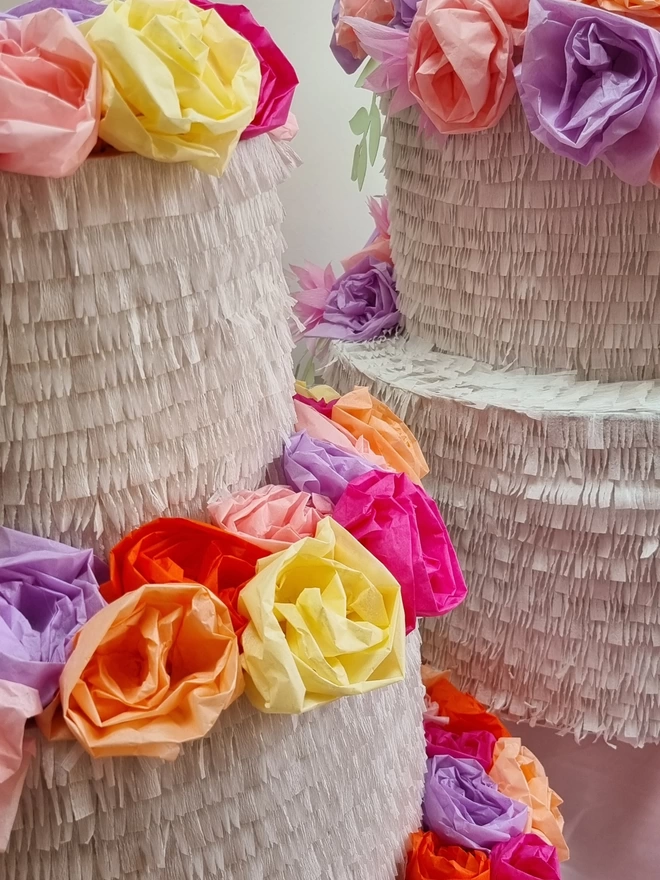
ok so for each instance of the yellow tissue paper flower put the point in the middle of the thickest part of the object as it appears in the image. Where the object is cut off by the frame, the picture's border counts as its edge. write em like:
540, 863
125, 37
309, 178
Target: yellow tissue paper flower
326, 621
179, 85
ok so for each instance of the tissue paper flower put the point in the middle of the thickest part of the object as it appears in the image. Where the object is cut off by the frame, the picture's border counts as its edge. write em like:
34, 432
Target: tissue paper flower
463, 806
397, 521
316, 392
589, 83
321, 468
170, 550
404, 12
463, 712
272, 518
17, 704
47, 592
364, 416
478, 745
520, 775
76, 10
278, 78
345, 45
286, 132
647, 11
326, 621
151, 671
379, 245
524, 858
321, 406
460, 61
51, 93
320, 427
430, 860
179, 85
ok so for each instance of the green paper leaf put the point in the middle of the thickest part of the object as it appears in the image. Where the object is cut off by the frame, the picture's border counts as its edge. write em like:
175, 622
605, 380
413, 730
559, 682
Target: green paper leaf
362, 158
366, 72
360, 122
374, 133
356, 159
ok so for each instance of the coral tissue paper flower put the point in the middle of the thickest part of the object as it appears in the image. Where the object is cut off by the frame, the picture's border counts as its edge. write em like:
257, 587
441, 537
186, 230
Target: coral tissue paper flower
520, 775
430, 860
589, 83
460, 61
17, 704
278, 78
48, 591
345, 44
272, 518
76, 10
151, 671
51, 95
397, 521
525, 858
463, 806
462, 711
179, 85
326, 621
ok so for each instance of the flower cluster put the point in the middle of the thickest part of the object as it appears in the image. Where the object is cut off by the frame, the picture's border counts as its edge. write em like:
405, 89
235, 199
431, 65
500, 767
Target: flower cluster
587, 73
172, 80
289, 594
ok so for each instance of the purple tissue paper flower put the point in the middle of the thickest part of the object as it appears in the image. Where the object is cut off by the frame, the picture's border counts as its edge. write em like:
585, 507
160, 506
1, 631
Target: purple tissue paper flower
405, 12
48, 591
320, 467
589, 82
463, 806
77, 10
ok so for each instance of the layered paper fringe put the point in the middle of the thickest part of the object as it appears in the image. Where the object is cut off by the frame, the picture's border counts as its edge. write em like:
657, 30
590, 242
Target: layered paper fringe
145, 356
550, 488
331, 794
510, 255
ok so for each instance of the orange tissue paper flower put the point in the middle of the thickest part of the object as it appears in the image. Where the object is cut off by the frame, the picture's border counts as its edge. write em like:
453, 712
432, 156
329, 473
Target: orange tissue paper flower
464, 712
430, 860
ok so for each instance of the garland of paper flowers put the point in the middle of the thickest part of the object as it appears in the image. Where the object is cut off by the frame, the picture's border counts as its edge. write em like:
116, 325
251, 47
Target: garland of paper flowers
171, 80
587, 73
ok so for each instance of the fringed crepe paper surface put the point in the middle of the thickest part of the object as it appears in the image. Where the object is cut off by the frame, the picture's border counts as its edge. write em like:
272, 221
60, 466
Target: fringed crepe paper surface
550, 492
332, 794
145, 358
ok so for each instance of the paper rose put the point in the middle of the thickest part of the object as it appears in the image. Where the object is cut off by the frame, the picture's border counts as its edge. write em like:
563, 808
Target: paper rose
404, 11
520, 775
647, 11
171, 550
51, 92
17, 704
76, 10
151, 671
271, 518
288, 131
478, 745
397, 521
321, 406
463, 806
47, 592
179, 85
430, 860
575, 94
278, 78
321, 468
463, 712
460, 61
524, 858
379, 245
365, 417
345, 45
326, 621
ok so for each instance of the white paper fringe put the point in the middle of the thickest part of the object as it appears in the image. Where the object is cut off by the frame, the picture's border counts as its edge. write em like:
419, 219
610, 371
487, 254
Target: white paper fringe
549, 488
513, 256
330, 795
145, 355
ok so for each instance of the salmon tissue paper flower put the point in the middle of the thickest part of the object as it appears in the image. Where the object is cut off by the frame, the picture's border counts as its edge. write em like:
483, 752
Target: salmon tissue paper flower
326, 621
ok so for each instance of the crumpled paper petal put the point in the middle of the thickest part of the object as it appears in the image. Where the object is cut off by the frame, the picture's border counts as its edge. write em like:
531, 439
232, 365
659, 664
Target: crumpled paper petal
320, 427
151, 671
344, 44
51, 95
179, 85
477, 745
48, 591
429, 859
575, 97
462, 712
379, 245
646, 11
363, 416
18, 703
288, 131
326, 621
463, 806
172, 550
524, 858
272, 518
401, 525
404, 12
520, 775
278, 78
76, 10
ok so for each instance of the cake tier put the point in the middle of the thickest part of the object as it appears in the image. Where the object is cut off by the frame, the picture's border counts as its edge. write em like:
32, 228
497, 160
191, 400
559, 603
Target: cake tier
145, 358
550, 488
511, 255
330, 795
